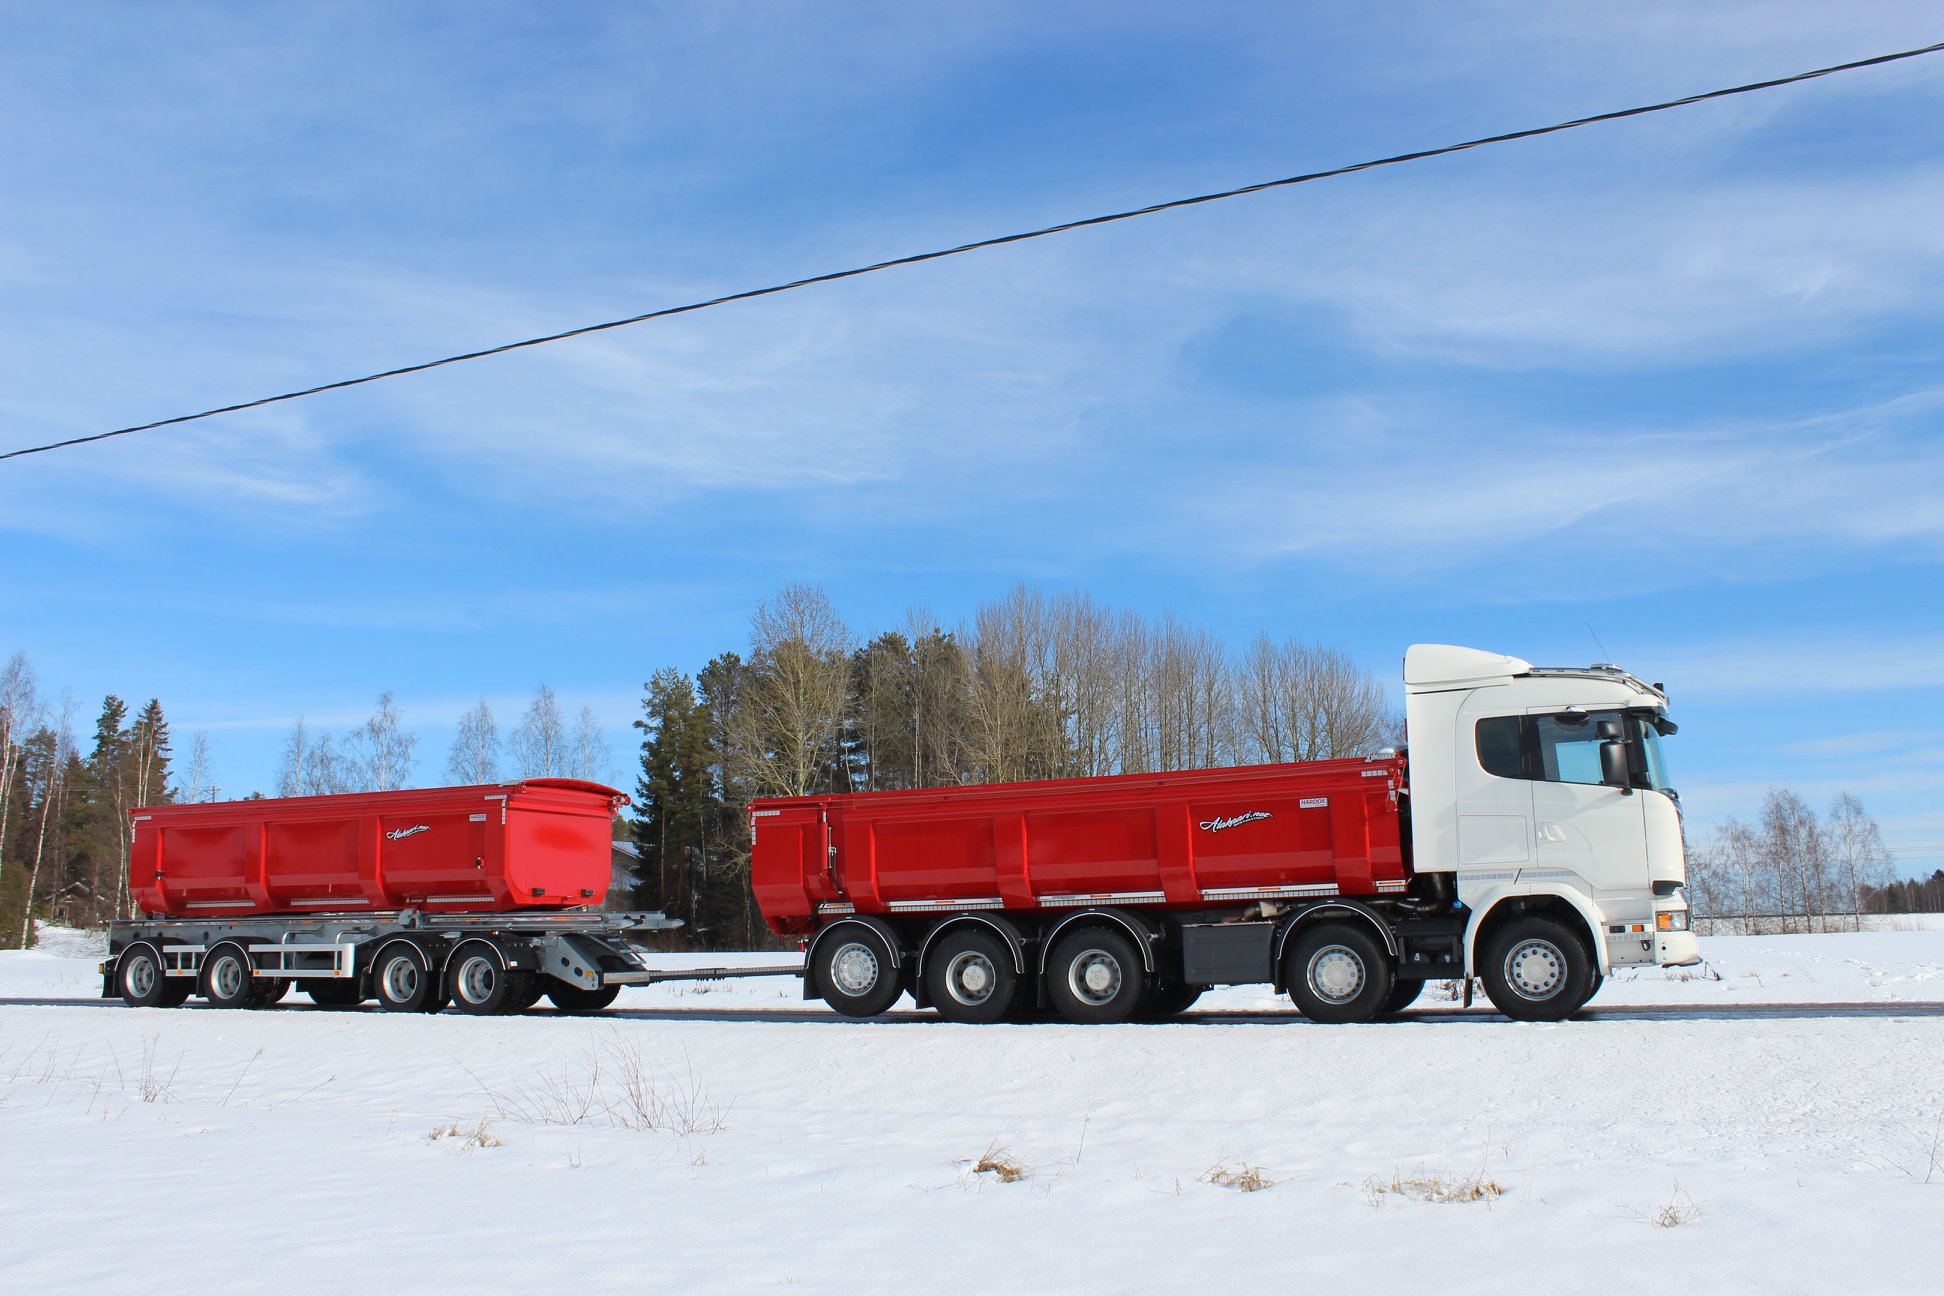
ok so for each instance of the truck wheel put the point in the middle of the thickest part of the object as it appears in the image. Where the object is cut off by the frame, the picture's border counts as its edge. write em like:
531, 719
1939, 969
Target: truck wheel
1402, 995
1171, 1000
530, 992
574, 999
1095, 975
479, 984
971, 977
332, 992
138, 974
402, 980
227, 981
1338, 973
1537, 969
855, 975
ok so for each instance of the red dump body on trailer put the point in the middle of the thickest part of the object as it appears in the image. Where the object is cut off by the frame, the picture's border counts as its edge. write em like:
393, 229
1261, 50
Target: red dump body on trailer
538, 844
1182, 840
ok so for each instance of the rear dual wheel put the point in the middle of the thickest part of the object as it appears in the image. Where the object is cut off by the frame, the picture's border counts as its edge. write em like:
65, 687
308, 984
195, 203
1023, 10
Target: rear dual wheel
404, 980
1337, 972
228, 980
855, 973
143, 984
1095, 975
482, 984
971, 977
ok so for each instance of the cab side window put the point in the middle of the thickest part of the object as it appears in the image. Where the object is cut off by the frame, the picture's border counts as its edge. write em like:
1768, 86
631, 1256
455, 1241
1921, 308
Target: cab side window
1499, 746
1562, 748
1568, 748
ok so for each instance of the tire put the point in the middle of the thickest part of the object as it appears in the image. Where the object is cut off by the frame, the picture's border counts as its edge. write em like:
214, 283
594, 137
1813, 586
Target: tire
855, 974
531, 991
269, 990
1404, 993
1537, 969
1592, 989
971, 977
574, 999
1337, 972
1094, 975
479, 980
139, 977
403, 980
1170, 1000
227, 979
331, 992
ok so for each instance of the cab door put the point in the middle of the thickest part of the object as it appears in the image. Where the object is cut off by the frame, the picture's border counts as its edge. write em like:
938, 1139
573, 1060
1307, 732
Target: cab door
1579, 824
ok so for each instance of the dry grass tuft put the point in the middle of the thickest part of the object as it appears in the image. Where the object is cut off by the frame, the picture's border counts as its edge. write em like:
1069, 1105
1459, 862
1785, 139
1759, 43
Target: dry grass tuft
1241, 1176
612, 1085
479, 1136
1001, 1164
1680, 1209
1433, 1186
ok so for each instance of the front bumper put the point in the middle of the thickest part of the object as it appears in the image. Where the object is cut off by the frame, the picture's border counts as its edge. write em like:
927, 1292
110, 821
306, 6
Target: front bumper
1677, 949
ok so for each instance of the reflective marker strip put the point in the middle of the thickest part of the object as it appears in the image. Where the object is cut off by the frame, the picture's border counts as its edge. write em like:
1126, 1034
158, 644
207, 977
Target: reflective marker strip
836, 907
1269, 893
1102, 897
939, 906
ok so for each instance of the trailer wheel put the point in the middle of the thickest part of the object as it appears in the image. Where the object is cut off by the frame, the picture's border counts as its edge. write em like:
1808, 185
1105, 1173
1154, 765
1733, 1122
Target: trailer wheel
1403, 994
1095, 975
574, 999
269, 990
971, 977
332, 992
480, 984
530, 992
227, 980
402, 980
139, 975
1537, 969
855, 974
1338, 973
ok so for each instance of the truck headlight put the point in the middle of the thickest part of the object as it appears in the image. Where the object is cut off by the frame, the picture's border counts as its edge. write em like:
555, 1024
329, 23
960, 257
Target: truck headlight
1671, 920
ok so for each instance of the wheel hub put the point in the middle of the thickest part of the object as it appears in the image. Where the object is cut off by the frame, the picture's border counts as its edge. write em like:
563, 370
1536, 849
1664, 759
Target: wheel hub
228, 978
1336, 974
971, 978
1095, 977
855, 968
477, 978
401, 980
141, 976
1535, 968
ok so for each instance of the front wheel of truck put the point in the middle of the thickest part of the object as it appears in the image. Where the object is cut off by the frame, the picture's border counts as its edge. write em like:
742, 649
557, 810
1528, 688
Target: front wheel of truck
1537, 969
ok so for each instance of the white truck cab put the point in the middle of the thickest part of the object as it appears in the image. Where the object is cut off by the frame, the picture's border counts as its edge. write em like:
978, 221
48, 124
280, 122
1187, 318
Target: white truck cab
1543, 792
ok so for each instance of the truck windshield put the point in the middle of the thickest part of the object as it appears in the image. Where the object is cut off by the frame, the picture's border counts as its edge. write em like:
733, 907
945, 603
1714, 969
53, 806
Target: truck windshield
1651, 769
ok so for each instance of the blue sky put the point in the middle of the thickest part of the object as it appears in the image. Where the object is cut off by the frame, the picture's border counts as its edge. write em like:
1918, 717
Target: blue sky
1676, 379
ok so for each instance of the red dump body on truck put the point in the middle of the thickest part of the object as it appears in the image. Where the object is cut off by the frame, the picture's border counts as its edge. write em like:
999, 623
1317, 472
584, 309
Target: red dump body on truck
497, 848
1182, 840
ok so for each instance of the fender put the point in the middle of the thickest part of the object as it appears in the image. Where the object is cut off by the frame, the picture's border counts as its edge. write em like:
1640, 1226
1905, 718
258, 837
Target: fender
1595, 923
1353, 909
999, 927
1137, 926
425, 949
493, 946
883, 930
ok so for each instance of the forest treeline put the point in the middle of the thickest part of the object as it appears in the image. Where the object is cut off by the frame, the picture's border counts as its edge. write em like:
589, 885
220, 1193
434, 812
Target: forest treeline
1030, 686
1793, 870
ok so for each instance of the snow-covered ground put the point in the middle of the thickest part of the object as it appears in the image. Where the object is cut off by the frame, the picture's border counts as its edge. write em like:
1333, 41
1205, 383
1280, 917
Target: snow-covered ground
728, 1137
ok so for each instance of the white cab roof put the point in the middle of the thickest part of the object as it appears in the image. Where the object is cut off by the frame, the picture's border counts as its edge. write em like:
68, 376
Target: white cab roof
1434, 667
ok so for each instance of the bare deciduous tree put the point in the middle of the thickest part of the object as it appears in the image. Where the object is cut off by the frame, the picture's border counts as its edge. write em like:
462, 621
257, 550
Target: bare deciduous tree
540, 743
591, 750
196, 784
1303, 702
379, 751
793, 695
475, 751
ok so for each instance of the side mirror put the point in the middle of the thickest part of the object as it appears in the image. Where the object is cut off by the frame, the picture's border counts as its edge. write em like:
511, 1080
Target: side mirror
1613, 767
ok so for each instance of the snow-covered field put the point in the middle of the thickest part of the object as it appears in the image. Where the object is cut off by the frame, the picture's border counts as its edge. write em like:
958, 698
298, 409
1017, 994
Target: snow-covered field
730, 1138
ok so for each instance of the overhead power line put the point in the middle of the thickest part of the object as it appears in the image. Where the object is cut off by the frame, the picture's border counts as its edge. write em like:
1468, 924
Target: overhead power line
1000, 241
